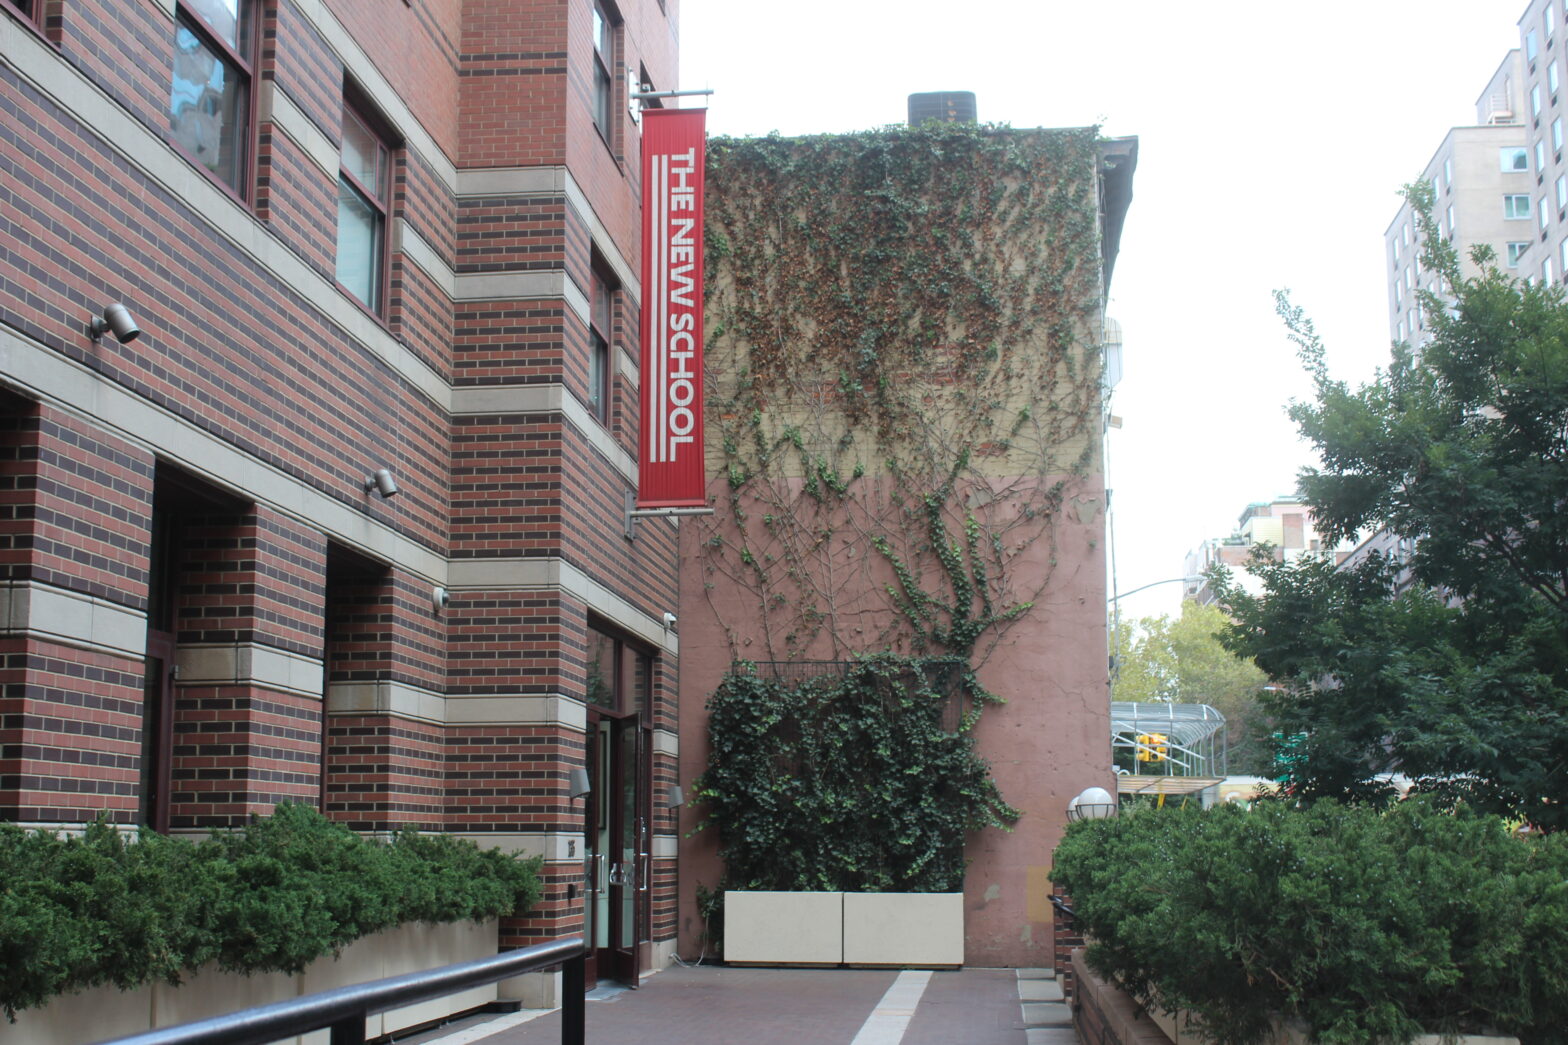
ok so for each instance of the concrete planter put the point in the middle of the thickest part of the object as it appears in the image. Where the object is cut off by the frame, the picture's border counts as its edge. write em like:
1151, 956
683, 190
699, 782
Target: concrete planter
104, 1012
808, 928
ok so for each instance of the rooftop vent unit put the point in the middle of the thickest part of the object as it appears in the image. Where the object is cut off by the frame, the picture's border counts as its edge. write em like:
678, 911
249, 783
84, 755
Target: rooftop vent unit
942, 106
1498, 108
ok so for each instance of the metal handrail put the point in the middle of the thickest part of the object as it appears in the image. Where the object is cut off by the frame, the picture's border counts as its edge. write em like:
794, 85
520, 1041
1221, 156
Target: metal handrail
345, 1009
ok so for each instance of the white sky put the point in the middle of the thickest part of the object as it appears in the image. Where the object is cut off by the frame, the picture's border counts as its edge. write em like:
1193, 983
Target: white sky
1273, 139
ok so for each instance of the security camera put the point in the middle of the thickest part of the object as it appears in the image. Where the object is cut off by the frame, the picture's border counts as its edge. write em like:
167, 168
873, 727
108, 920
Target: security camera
669, 620
383, 483
442, 598
117, 321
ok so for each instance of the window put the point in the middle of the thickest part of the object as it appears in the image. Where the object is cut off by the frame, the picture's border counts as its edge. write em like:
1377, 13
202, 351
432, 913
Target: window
26, 8
1448, 173
1410, 280
600, 325
1557, 135
1565, 257
1532, 46
1551, 79
1401, 335
1545, 216
1540, 154
1453, 225
1562, 192
1514, 159
1516, 251
1513, 207
1405, 232
209, 96
603, 82
620, 676
364, 179
1550, 22
1396, 252
1535, 101
1546, 270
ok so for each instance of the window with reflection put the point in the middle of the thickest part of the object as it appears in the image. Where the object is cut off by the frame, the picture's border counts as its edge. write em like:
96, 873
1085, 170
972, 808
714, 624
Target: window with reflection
620, 675
600, 318
603, 62
209, 95
364, 191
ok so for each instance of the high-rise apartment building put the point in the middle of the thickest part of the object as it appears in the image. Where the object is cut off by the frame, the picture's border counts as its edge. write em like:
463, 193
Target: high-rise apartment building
1502, 182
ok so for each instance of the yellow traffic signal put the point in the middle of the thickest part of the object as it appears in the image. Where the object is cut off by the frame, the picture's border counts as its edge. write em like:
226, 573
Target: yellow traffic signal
1151, 747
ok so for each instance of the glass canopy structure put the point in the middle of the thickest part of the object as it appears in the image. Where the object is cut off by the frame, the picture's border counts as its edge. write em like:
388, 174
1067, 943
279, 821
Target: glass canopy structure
1171, 739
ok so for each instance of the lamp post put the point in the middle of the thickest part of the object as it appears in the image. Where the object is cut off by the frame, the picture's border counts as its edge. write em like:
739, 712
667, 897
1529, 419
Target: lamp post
1155, 584
1116, 619
1092, 803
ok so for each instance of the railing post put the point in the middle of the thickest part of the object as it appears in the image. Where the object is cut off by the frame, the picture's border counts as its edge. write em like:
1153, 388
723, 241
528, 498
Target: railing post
350, 1031
573, 1005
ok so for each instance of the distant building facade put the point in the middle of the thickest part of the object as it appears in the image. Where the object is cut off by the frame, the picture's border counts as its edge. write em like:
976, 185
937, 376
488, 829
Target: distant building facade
1285, 524
1502, 182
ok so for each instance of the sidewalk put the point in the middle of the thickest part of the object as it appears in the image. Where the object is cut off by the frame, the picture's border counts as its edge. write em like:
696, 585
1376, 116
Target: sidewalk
715, 1005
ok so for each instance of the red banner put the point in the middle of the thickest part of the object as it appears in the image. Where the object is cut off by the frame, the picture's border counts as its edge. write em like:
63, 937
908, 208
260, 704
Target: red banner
671, 471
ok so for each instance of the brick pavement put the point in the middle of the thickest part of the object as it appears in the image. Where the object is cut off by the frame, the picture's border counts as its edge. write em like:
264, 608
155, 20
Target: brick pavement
718, 1005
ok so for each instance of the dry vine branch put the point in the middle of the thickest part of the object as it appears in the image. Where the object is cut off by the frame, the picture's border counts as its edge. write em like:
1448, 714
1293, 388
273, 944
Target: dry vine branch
903, 382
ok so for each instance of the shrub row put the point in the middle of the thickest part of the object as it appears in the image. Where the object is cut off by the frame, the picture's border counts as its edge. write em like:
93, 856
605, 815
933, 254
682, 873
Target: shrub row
1366, 927
104, 909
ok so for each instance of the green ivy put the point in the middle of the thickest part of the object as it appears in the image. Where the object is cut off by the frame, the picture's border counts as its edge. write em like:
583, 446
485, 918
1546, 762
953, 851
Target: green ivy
79, 912
1367, 927
845, 782
900, 348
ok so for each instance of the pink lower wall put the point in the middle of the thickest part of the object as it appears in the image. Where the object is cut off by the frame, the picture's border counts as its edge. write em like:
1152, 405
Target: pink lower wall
1049, 741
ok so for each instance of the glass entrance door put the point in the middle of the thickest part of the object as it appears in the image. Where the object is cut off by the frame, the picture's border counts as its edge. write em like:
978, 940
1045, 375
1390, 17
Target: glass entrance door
617, 837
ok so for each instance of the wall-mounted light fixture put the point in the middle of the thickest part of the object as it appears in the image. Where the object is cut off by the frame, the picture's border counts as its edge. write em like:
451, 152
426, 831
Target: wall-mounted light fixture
577, 782
677, 797
382, 482
441, 598
669, 620
116, 320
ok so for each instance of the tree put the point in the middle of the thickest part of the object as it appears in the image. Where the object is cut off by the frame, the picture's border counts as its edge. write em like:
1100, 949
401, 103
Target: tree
1182, 661
1461, 446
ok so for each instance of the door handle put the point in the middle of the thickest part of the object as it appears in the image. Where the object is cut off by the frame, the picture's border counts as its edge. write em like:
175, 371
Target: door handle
617, 874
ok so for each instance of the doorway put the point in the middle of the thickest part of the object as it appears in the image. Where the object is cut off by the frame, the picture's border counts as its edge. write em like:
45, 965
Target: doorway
618, 865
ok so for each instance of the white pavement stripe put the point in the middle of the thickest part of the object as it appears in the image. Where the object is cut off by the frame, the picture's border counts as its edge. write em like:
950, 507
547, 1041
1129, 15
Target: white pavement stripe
482, 1031
889, 1020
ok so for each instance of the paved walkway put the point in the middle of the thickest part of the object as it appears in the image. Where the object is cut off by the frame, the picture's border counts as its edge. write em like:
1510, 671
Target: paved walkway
716, 1005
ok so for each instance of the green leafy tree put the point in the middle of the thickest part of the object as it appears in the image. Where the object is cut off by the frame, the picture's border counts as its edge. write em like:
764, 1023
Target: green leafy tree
1463, 447
1181, 660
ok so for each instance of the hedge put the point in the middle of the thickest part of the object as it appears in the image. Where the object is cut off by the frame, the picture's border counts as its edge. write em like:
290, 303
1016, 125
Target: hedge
79, 912
845, 782
1366, 927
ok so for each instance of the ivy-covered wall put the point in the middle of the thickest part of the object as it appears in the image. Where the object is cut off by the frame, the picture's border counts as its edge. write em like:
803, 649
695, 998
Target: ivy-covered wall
903, 435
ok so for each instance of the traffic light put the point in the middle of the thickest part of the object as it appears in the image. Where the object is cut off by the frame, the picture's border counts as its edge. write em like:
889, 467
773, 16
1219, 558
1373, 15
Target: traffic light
1151, 747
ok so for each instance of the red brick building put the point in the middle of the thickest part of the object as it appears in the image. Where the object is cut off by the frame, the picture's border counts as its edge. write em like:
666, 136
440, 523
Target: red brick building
355, 236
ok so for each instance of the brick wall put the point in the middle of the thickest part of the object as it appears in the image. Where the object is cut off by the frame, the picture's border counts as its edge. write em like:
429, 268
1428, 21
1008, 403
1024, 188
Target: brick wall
1066, 938
314, 661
